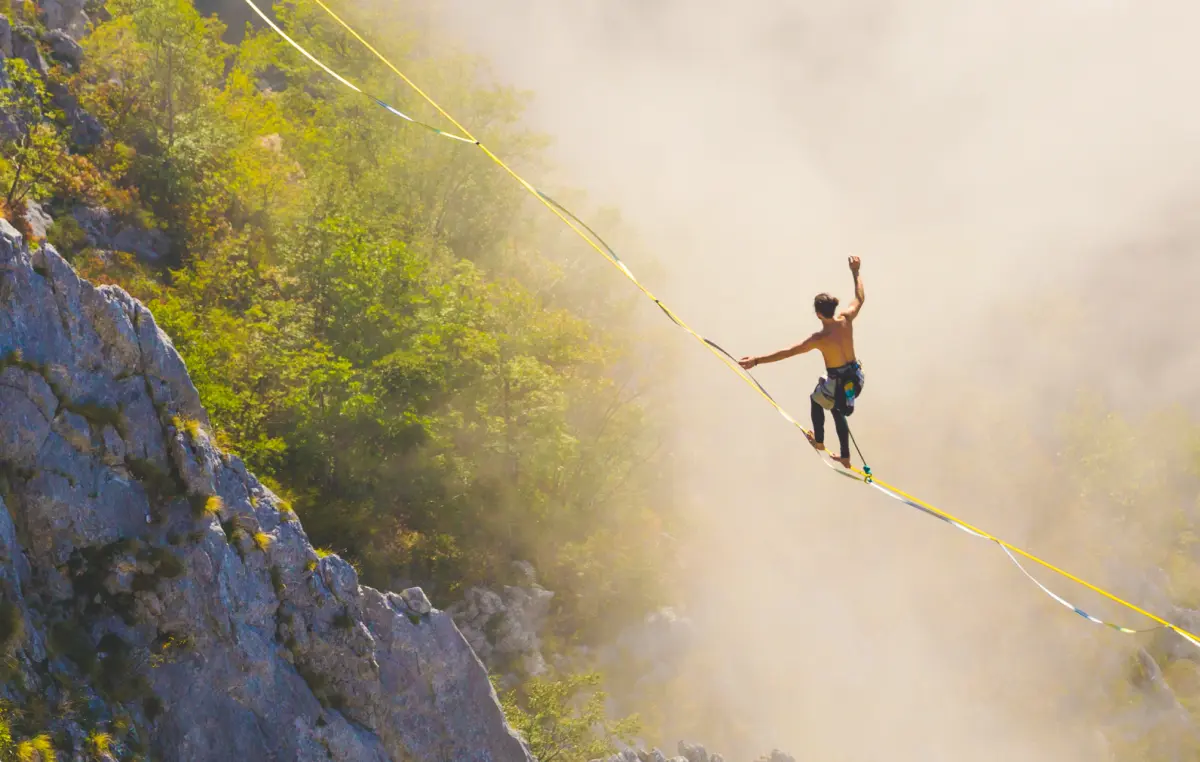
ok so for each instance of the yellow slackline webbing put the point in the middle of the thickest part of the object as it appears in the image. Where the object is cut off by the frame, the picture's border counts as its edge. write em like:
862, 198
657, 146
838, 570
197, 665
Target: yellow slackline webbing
726, 359
267, 20
1031, 557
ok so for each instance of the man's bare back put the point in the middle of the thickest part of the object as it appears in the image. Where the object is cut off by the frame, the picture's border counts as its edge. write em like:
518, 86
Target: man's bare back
835, 341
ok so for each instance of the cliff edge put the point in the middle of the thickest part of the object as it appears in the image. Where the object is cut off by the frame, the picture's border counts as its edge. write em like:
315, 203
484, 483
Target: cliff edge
154, 589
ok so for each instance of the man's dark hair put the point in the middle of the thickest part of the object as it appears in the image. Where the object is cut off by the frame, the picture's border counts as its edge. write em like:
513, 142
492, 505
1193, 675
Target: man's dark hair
825, 304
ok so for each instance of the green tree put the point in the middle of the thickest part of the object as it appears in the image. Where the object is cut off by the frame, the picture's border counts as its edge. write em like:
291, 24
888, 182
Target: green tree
373, 319
563, 719
152, 74
35, 151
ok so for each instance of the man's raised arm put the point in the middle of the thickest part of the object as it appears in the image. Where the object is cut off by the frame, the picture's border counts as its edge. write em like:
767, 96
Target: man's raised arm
860, 295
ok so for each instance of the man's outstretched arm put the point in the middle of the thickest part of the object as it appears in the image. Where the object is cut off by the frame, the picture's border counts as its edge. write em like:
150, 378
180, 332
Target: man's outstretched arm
860, 295
807, 345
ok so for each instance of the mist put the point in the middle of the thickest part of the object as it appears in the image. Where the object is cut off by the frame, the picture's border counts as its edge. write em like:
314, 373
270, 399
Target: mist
1018, 179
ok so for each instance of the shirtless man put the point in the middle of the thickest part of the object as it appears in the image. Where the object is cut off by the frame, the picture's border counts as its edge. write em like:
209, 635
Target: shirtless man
845, 380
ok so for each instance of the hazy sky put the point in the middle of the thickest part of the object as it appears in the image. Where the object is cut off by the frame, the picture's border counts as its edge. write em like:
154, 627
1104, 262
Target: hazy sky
1018, 178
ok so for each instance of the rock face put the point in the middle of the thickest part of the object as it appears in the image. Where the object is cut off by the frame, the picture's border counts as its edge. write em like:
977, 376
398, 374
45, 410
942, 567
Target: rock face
39, 221
85, 130
157, 580
104, 230
6, 41
65, 15
23, 42
503, 627
25, 46
64, 48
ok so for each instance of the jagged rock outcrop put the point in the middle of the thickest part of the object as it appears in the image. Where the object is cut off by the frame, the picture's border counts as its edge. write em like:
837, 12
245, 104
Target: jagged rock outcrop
67, 16
6, 41
10, 124
64, 48
86, 130
39, 221
22, 41
503, 627
25, 46
110, 232
151, 579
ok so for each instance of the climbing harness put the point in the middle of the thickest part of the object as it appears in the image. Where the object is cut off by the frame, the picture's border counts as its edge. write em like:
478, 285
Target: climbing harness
592, 239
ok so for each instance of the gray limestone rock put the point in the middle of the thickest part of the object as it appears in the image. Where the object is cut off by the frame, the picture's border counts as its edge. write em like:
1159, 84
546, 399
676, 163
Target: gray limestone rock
86, 130
416, 602
39, 221
67, 16
504, 626
64, 48
106, 230
24, 45
6, 43
222, 636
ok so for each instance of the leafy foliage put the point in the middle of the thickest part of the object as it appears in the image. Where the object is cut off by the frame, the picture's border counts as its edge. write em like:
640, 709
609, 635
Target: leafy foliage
35, 161
373, 319
431, 375
563, 719
36, 749
99, 744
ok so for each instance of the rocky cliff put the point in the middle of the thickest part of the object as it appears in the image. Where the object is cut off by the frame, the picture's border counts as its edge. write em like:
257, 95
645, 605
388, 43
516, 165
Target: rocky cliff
154, 590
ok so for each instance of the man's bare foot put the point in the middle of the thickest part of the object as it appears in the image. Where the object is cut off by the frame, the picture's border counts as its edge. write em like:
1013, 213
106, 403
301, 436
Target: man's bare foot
818, 446
844, 461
